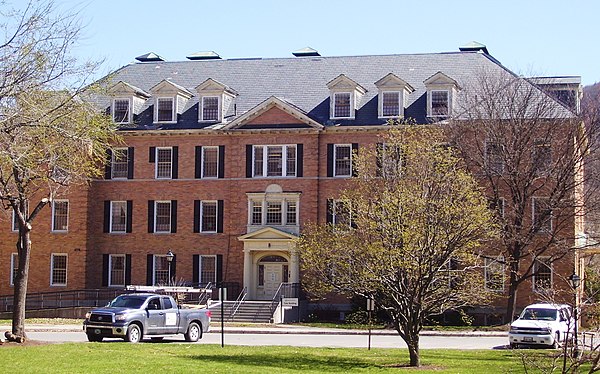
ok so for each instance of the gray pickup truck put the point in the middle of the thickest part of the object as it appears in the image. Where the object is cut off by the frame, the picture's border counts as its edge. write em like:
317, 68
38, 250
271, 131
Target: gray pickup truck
134, 316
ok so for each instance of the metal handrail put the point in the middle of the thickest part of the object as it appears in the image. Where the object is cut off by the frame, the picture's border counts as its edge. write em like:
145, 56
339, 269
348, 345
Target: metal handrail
276, 299
238, 302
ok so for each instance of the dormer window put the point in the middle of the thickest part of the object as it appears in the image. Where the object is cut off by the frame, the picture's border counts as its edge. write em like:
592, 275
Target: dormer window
441, 91
121, 110
345, 97
165, 109
210, 108
393, 92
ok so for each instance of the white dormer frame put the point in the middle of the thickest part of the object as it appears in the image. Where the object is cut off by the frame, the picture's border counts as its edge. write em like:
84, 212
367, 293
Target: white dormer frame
135, 97
167, 90
392, 84
224, 95
440, 82
342, 85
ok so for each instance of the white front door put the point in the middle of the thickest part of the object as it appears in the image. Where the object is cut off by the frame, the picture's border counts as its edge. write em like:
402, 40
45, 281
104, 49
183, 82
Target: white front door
272, 280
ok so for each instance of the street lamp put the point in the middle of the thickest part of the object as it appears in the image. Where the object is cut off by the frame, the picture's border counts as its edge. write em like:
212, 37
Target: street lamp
170, 257
575, 282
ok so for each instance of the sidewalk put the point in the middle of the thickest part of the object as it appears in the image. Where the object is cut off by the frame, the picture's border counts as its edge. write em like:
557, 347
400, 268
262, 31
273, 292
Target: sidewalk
215, 327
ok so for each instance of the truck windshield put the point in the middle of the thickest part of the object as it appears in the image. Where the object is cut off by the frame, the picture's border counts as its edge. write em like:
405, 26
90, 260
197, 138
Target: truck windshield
539, 314
127, 302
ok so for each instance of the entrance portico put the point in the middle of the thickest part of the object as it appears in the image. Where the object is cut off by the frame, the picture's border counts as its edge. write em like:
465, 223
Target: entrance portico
270, 258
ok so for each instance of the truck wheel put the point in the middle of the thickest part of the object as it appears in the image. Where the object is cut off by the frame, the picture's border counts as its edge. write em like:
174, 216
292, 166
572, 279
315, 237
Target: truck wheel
513, 345
94, 338
194, 332
134, 334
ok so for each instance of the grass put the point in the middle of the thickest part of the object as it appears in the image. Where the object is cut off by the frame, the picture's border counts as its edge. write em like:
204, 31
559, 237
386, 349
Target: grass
187, 358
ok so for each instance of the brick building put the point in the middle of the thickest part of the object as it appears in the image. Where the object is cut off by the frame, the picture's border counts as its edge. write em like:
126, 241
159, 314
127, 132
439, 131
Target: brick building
224, 161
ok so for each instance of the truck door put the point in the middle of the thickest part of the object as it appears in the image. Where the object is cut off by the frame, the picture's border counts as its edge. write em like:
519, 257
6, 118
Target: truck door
171, 316
155, 317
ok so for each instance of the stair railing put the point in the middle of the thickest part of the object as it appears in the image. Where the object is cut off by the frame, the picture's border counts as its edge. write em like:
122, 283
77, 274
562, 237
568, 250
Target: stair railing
276, 299
238, 302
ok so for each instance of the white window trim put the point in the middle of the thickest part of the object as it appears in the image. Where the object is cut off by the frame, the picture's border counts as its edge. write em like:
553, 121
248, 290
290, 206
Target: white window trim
219, 109
400, 103
533, 278
202, 216
110, 227
13, 227
110, 257
156, 216
52, 283
53, 211
173, 109
283, 199
202, 164
112, 112
156, 162
200, 257
335, 174
284, 156
352, 114
485, 276
540, 230
335, 202
113, 159
13, 257
430, 107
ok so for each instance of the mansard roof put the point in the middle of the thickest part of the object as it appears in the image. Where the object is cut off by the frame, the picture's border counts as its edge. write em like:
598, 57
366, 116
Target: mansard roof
303, 81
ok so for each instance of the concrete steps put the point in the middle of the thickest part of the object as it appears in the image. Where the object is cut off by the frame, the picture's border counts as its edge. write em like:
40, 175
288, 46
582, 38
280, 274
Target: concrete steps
248, 311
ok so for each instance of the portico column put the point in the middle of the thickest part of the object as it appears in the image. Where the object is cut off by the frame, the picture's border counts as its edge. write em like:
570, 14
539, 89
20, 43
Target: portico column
294, 266
248, 273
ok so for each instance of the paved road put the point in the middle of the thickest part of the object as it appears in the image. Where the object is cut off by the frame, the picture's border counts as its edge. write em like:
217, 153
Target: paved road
308, 340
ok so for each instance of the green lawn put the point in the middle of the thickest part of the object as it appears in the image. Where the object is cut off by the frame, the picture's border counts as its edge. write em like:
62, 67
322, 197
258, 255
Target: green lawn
204, 358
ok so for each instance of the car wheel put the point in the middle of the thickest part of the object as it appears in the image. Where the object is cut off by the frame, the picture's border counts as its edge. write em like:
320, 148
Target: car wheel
513, 345
194, 332
134, 334
94, 338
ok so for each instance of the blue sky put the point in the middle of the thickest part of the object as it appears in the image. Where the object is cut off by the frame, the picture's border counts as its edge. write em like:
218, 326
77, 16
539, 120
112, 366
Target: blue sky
530, 37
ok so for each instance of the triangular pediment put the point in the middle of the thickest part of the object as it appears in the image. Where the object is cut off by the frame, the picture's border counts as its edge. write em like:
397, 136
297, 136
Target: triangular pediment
343, 83
166, 87
267, 233
440, 79
125, 89
273, 113
393, 82
212, 86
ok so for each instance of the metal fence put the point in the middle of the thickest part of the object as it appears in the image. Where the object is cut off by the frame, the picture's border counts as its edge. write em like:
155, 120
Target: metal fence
63, 299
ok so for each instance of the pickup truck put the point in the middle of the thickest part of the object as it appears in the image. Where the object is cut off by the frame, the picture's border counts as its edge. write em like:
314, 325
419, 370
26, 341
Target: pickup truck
542, 324
134, 316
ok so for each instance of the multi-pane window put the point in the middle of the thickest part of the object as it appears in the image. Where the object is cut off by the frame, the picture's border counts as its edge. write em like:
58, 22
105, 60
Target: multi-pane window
541, 214
162, 216
340, 213
342, 105
210, 108
119, 164
209, 216
276, 212
118, 216
494, 273
274, 160
161, 270
121, 110
390, 104
210, 162
440, 103
58, 271
542, 274
208, 269
165, 109
342, 160
256, 213
14, 267
117, 270
541, 157
60, 215
494, 157
391, 160
164, 163
291, 212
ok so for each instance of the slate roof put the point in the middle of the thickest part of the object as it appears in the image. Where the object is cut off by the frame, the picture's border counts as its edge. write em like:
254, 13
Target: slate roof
302, 81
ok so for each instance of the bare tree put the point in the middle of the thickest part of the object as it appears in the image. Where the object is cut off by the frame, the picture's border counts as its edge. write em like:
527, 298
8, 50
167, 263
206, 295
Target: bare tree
417, 221
50, 139
530, 151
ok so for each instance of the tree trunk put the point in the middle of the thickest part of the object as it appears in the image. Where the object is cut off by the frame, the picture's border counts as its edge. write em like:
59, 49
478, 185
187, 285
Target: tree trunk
412, 342
511, 306
20, 284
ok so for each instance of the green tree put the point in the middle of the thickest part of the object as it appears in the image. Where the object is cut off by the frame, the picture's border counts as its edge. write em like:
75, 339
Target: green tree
418, 218
50, 139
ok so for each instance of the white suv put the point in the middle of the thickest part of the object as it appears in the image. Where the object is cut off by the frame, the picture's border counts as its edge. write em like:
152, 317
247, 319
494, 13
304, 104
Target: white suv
542, 324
